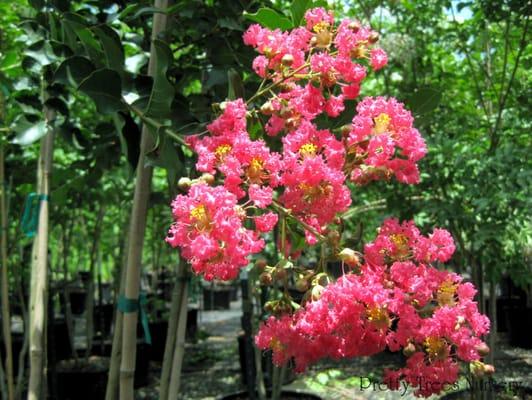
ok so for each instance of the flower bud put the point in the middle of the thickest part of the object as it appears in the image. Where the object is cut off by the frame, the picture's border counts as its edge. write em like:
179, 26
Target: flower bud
483, 349
287, 60
350, 257
345, 130
313, 41
323, 38
489, 369
207, 178
316, 292
269, 306
354, 26
373, 37
266, 279
409, 349
184, 183
260, 264
267, 108
280, 274
302, 285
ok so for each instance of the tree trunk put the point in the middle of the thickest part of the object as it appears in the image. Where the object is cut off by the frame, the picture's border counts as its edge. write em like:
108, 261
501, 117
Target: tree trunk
6, 317
39, 273
136, 234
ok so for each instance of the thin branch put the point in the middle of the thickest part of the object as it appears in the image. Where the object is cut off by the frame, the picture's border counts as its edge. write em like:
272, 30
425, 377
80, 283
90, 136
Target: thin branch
522, 46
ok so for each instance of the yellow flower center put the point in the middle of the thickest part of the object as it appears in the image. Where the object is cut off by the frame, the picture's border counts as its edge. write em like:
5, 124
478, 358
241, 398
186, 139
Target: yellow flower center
311, 193
255, 170
222, 151
320, 27
436, 348
308, 150
379, 317
382, 123
401, 244
200, 217
446, 292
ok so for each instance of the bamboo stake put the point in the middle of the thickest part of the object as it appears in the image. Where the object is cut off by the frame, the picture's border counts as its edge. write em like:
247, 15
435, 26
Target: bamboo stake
136, 233
6, 317
89, 303
39, 272
179, 346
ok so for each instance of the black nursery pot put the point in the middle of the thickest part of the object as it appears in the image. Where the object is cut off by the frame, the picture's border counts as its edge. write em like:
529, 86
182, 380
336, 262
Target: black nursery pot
520, 325
285, 395
81, 383
216, 299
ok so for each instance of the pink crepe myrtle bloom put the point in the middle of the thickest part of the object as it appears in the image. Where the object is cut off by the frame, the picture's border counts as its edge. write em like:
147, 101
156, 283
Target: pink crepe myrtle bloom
381, 132
208, 227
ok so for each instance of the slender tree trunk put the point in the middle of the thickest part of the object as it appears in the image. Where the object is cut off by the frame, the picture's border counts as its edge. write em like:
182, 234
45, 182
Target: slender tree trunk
89, 302
180, 332
6, 317
136, 234
39, 281
24, 350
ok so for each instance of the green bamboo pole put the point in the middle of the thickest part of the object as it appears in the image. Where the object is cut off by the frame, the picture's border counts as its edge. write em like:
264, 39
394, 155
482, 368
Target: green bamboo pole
136, 233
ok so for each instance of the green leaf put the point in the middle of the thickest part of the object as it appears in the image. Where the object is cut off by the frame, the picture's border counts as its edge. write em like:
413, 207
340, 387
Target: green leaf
92, 47
162, 93
73, 70
28, 133
424, 100
105, 88
166, 156
270, 19
236, 87
112, 47
297, 10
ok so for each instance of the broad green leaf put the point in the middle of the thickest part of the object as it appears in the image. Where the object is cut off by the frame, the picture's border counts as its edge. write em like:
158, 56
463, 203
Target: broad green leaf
424, 100
166, 156
270, 19
112, 47
297, 10
76, 23
104, 87
163, 91
29, 133
73, 70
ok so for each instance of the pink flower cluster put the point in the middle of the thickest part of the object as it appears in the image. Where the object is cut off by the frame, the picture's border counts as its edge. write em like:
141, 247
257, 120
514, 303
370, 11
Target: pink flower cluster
382, 142
209, 229
397, 301
313, 69
321, 55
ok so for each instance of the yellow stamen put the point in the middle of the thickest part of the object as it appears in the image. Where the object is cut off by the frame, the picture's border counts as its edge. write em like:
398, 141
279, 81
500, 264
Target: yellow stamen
379, 317
222, 151
311, 193
255, 170
308, 150
200, 217
436, 348
401, 244
382, 123
320, 27
446, 292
